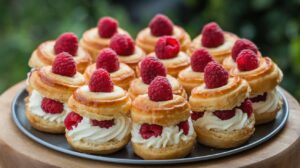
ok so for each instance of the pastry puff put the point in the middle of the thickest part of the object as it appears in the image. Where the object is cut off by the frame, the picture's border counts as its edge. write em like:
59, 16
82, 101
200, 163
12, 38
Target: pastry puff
122, 77
211, 130
219, 53
100, 106
133, 59
44, 83
263, 79
228, 63
166, 114
138, 87
44, 55
173, 65
190, 79
93, 43
147, 41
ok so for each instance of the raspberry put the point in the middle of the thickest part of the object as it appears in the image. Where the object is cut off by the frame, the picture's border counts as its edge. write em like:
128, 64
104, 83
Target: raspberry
150, 68
160, 89
161, 25
184, 126
195, 115
200, 58
212, 35
240, 45
247, 60
259, 98
247, 107
215, 75
224, 114
149, 130
108, 60
52, 106
64, 65
123, 44
100, 81
67, 42
72, 120
104, 123
167, 47
107, 27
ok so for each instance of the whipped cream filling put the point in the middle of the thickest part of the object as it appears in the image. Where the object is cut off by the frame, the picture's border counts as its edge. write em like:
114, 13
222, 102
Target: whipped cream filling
35, 101
210, 121
267, 106
85, 131
170, 136
178, 60
135, 57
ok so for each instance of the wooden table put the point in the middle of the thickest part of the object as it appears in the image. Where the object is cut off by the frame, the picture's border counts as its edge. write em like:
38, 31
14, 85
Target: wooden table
16, 150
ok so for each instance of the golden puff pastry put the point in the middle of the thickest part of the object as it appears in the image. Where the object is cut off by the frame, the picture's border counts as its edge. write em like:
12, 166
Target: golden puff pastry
218, 53
138, 87
190, 79
44, 55
228, 63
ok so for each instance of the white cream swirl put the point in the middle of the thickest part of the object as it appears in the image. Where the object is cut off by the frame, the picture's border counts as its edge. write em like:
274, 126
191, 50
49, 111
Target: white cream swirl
85, 131
267, 106
35, 101
170, 136
210, 121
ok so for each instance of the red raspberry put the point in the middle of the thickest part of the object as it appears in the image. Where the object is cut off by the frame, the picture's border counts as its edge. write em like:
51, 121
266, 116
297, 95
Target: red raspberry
212, 35
247, 60
108, 60
151, 67
149, 130
67, 42
240, 45
71, 120
200, 58
161, 25
104, 123
107, 27
195, 115
167, 47
215, 75
123, 44
100, 81
64, 65
247, 107
52, 106
224, 114
160, 89
259, 98
184, 125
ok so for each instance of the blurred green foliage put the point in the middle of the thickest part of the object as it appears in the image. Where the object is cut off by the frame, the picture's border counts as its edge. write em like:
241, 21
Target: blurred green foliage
272, 24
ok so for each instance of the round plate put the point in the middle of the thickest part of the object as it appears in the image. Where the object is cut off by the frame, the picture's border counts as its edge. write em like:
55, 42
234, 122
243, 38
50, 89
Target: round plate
199, 153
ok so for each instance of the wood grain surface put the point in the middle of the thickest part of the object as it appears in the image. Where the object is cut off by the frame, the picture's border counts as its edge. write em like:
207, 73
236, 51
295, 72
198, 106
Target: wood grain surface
16, 150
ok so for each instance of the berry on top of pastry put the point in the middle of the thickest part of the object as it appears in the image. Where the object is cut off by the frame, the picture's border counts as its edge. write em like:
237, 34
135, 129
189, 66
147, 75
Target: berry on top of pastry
107, 27
193, 75
127, 52
215, 75
212, 35
123, 44
99, 37
162, 128
167, 50
263, 75
51, 86
120, 73
240, 45
159, 26
221, 111
46, 52
108, 60
216, 41
66, 42
149, 68
100, 122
